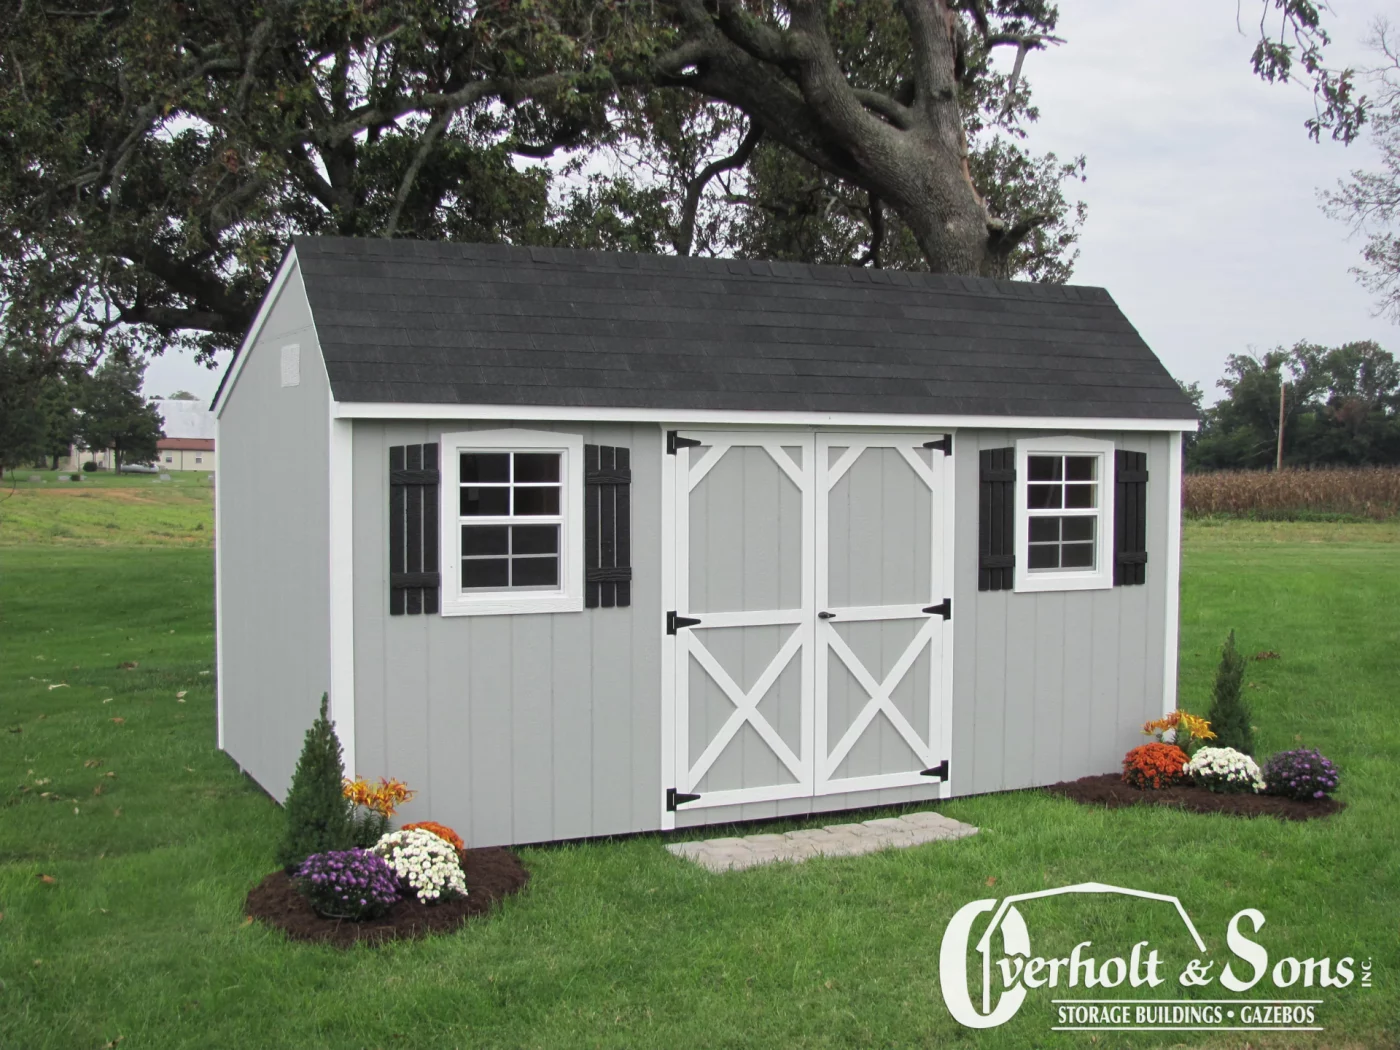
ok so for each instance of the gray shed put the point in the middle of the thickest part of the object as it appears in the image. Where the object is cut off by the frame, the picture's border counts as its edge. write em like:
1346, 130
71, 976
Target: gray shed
583, 543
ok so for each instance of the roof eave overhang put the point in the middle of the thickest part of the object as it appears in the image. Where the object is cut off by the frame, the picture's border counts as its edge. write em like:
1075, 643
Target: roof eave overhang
728, 417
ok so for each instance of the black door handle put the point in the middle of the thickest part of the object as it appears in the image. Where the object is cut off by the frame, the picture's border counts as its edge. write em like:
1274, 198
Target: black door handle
826, 616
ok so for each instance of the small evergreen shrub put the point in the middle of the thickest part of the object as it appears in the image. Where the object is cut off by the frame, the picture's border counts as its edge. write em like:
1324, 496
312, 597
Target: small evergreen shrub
347, 884
1224, 770
1154, 766
89, 467
1229, 714
317, 812
1303, 774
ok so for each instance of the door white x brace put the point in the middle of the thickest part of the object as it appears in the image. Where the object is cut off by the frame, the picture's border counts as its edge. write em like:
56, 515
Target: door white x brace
746, 703
879, 693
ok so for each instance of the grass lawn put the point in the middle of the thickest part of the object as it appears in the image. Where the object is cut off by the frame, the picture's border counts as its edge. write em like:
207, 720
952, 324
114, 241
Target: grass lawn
109, 509
111, 787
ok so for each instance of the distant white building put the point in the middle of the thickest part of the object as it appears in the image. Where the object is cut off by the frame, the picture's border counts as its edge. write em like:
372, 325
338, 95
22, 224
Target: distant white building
188, 443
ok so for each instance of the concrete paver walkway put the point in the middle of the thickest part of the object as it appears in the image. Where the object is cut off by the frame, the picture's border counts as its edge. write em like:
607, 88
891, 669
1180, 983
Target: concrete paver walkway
834, 840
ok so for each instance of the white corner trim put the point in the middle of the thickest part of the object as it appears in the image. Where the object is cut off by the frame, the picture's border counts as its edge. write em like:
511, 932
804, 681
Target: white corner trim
1100, 578
235, 368
668, 641
726, 418
569, 597
1170, 656
341, 566
218, 593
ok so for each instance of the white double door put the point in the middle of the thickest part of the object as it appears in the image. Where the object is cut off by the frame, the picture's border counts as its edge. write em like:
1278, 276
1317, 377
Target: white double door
809, 655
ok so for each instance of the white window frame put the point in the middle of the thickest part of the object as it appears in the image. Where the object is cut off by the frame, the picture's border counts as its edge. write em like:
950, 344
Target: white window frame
1101, 576
569, 596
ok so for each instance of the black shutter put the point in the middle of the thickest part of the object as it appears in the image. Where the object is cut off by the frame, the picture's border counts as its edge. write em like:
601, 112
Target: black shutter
413, 529
607, 531
1129, 518
996, 519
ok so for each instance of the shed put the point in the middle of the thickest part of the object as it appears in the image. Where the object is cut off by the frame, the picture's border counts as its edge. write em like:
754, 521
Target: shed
585, 543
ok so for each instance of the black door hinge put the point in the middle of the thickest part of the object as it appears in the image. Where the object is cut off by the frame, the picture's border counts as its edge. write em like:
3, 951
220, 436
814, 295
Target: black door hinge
943, 444
940, 771
943, 609
674, 622
676, 798
675, 441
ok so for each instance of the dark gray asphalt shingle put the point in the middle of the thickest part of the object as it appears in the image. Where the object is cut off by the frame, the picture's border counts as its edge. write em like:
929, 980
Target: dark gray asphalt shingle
420, 322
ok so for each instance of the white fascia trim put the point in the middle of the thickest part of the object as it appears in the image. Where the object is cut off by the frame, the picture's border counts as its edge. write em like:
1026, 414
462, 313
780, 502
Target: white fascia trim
569, 597
341, 566
726, 418
1170, 656
218, 593
1100, 579
289, 264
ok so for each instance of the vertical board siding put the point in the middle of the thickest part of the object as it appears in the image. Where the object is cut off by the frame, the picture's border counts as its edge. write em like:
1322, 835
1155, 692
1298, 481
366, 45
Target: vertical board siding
1053, 685
275, 572
515, 728
537, 727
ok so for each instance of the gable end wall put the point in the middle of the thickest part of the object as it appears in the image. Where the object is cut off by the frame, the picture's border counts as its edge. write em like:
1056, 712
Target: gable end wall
273, 522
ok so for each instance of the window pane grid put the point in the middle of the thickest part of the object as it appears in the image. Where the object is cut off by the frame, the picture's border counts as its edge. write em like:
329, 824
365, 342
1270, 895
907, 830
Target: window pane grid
1062, 508
510, 510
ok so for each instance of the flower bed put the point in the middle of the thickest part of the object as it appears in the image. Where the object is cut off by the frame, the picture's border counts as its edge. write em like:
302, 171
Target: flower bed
1109, 790
492, 874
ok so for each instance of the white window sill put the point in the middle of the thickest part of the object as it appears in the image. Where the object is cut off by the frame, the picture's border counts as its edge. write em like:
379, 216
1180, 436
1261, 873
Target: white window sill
507, 605
1039, 583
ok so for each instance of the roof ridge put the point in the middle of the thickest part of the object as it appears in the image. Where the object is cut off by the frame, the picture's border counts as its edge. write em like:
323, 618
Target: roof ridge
701, 266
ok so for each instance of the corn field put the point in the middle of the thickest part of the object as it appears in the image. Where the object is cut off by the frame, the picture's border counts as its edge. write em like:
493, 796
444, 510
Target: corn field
1367, 492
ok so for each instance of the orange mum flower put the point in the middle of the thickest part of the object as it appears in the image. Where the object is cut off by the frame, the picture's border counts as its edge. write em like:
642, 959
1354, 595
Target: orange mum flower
442, 831
1154, 766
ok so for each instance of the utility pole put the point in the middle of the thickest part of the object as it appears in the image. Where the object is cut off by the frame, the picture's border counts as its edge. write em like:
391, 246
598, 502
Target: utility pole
1278, 462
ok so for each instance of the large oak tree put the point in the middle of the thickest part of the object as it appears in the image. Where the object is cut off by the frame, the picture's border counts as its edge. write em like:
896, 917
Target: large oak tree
155, 155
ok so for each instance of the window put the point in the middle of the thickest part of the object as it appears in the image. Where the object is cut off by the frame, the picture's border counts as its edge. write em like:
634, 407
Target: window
1064, 509
169, 460
512, 522
199, 459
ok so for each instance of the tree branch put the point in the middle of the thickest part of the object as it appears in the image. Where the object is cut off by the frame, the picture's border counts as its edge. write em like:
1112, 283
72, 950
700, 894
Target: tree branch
685, 232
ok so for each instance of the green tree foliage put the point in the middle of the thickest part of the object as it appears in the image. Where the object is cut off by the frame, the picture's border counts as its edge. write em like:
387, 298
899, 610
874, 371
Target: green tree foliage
38, 412
182, 395
156, 155
115, 415
1229, 714
1369, 201
1342, 407
317, 813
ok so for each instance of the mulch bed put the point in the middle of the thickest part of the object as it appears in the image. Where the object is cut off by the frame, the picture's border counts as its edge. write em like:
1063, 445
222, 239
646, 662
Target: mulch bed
492, 873
1109, 790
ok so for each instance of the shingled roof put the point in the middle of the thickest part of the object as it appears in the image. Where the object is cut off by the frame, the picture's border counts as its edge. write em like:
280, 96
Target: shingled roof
431, 322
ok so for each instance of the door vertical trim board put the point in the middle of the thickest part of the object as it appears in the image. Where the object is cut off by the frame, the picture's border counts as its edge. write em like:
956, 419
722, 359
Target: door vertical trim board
668, 641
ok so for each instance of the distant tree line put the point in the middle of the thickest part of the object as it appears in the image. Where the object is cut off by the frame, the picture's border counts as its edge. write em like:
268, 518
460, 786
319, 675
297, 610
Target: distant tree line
42, 417
1341, 408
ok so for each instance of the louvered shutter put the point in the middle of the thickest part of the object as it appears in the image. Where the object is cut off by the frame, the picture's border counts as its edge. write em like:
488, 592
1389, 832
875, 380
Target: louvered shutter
414, 578
607, 531
1129, 518
996, 519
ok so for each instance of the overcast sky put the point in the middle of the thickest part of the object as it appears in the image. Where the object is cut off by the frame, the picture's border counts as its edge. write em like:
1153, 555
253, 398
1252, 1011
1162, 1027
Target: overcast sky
1203, 217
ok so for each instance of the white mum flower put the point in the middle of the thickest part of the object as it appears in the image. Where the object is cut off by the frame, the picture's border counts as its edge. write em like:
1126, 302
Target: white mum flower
1224, 769
428, 864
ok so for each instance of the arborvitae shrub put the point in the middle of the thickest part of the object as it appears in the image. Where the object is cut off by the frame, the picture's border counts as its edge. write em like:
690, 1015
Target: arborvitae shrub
1229, 714
318, 813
